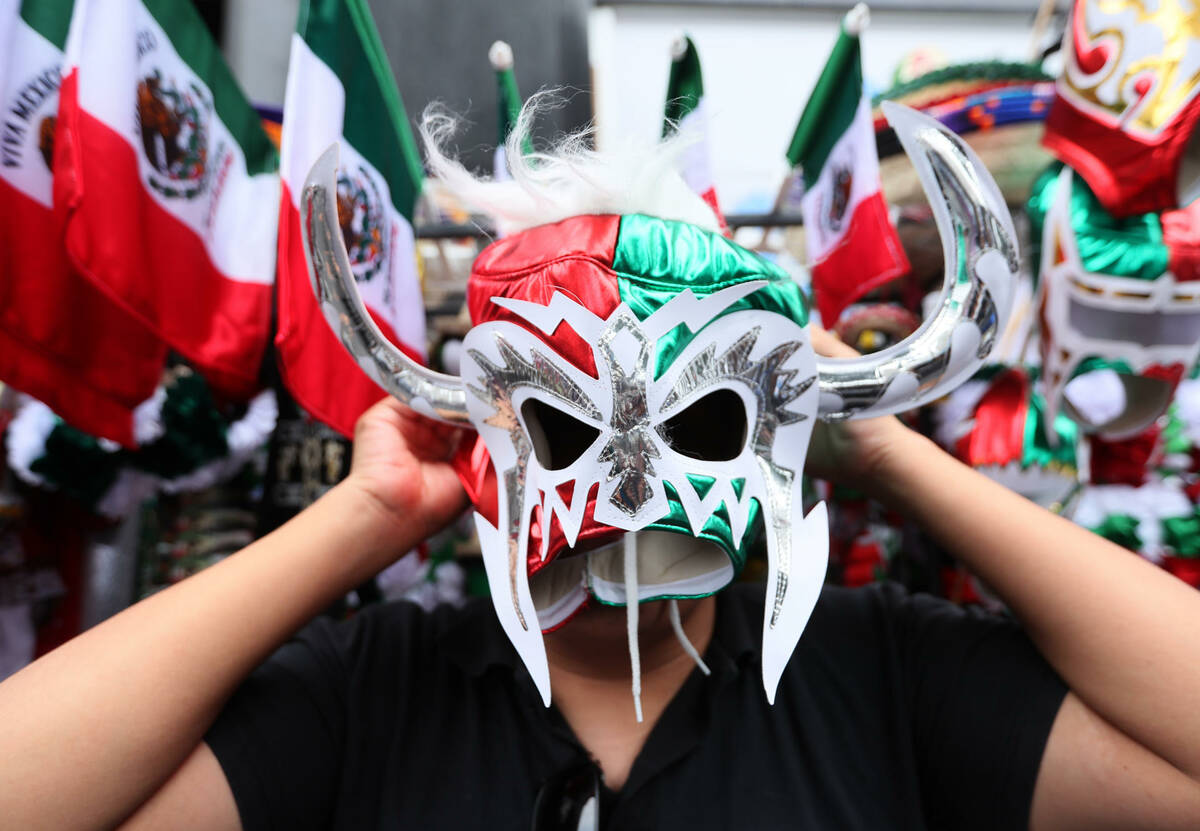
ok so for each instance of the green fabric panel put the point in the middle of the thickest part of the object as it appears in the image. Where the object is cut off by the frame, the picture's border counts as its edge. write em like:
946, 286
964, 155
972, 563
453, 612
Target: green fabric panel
655, 259
1096, 363
1129, 247
342, 34
701, 484
190, 38
194, 431
1036, 449
685, 87
76, 464
49, 18
716, 529
1121, 529
830, 109
1182, 534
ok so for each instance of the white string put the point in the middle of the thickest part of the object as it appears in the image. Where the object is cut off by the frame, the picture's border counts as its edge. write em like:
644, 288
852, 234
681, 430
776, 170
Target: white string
631, 619
683, 638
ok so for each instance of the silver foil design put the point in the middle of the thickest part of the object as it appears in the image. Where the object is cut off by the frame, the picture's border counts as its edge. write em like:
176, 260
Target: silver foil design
499, 385
631, 446
981, 265
430, 393
775, 388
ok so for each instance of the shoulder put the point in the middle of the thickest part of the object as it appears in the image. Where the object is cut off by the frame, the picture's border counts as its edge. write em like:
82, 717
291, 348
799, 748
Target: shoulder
394, 635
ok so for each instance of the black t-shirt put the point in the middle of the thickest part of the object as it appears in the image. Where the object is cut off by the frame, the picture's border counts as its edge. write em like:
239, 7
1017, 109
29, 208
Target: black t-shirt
895, 712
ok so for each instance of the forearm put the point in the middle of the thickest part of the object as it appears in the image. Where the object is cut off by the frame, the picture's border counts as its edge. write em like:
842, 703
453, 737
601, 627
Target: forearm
90, 731
1118, 630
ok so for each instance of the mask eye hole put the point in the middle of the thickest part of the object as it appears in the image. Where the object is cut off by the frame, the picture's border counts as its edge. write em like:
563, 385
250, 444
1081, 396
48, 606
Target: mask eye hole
712, 429
558, 437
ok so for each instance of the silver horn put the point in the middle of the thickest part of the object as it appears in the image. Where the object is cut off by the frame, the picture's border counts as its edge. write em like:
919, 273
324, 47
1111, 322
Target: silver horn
430, 393
980, 253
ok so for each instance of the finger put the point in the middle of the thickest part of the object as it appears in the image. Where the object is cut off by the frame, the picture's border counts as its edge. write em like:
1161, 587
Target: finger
828, 344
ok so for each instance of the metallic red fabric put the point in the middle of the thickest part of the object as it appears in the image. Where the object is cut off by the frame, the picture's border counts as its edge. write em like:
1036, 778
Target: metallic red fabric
574, 257
999, 434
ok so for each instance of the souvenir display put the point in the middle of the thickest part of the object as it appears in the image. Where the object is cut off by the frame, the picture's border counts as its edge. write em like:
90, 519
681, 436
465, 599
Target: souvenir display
1126, 103
1116, 294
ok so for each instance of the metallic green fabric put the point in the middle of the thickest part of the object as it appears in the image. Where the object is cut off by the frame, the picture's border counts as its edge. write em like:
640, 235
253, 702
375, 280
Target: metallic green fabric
655, 259
1182, 534
1036, 450
194, 432
716, 529
1096, 363
78, 465
1129, 247
1121, 529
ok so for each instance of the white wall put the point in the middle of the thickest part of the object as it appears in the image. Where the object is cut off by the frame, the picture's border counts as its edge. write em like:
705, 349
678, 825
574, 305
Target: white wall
759, 66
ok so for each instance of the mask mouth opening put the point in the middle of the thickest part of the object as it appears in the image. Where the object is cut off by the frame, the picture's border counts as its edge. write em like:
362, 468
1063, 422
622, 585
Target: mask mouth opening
1115, 405
668, 565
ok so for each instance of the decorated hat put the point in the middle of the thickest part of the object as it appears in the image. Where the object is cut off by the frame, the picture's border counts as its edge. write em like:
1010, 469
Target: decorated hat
644, 389
996, 106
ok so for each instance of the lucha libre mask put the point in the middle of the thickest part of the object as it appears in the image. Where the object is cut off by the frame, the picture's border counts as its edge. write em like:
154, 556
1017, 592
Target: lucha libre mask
635, 374
1115, 294
1127, 102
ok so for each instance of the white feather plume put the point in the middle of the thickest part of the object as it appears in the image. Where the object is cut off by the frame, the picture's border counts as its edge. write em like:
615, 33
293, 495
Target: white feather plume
567, 179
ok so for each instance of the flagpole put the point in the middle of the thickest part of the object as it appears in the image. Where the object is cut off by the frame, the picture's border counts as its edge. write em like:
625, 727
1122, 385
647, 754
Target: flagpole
854, 23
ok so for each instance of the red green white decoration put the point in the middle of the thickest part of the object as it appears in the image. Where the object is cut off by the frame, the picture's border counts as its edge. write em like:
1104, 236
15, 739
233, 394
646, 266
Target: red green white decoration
508, 96
341, 90
687, 111
61, 340
166, 181
852, 246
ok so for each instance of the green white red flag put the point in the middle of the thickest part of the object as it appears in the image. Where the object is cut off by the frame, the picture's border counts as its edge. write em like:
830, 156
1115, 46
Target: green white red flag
168, 183
687, 110
340, 89
61, 339
852, 246
508, 98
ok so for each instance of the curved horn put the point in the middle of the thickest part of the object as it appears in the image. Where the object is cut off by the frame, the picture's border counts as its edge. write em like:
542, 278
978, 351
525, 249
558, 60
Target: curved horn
981, 265
430, 393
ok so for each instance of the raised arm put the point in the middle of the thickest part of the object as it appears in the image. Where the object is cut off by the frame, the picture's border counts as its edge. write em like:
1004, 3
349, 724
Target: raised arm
91, 731
1125, 749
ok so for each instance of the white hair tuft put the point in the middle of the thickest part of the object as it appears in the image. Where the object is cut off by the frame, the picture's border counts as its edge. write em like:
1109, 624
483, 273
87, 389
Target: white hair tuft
568, 179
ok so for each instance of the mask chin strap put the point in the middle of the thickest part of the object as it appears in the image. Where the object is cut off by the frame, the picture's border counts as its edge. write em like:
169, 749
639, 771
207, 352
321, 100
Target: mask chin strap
631, 624
682, 637
631, 619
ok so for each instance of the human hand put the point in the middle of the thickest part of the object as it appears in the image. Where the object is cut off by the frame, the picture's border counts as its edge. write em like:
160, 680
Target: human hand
856, 453
402, 465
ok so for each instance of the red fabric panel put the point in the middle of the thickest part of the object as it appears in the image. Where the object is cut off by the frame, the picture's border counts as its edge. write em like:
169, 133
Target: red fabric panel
1128, 176
1181, 233
573, 256
999, 434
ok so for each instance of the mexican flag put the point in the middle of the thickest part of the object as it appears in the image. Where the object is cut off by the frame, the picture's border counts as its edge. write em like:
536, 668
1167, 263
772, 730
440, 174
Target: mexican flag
340, 89
61, 340
687, 110
168, 183
508, 97
852, 246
